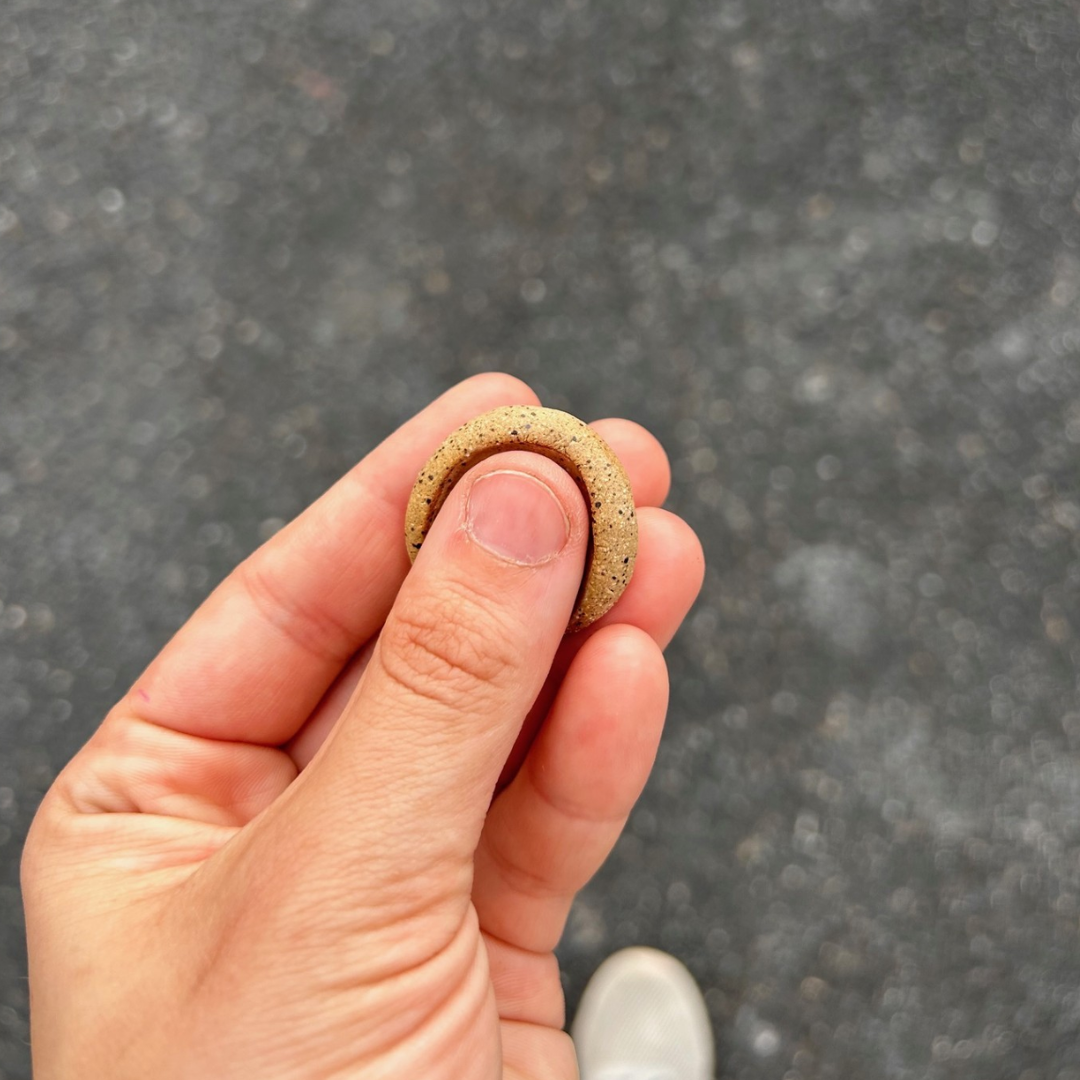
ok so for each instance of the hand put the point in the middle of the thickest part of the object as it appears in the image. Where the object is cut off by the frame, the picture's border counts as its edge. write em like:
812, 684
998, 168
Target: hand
280, 857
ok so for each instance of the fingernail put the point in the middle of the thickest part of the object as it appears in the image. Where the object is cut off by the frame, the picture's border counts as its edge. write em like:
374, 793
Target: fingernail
516, 517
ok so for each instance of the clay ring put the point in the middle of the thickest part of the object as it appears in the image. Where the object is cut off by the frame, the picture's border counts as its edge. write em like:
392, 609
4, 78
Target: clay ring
568, 441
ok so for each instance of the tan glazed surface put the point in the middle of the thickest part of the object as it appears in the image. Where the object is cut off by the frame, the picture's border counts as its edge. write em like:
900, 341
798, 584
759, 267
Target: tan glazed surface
571, 443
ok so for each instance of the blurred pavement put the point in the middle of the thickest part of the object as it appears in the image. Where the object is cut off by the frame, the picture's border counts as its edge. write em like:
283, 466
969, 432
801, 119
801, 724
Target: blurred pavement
827, 250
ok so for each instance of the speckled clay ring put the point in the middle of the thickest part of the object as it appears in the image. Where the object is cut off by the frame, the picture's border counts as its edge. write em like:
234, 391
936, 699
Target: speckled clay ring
609, 563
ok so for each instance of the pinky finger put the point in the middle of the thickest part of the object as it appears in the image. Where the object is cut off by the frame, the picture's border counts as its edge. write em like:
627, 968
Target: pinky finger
551, 829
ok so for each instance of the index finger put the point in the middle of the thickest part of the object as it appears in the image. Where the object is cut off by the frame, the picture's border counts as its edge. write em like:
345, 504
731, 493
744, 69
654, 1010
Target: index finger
262, 649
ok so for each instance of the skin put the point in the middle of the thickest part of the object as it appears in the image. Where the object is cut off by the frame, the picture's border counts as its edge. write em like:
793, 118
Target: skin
575, 447
335, 828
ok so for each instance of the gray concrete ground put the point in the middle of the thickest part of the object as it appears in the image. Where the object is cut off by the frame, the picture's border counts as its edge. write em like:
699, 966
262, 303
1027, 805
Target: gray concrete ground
829, 251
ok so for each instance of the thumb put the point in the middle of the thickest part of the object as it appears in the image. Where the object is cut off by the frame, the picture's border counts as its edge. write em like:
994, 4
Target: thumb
400, 790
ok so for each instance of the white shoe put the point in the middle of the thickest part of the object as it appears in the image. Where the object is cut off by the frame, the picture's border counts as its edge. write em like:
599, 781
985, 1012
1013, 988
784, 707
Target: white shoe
642, 1017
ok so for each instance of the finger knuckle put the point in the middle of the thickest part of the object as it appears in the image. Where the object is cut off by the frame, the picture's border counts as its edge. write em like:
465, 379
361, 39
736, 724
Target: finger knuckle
447, 648
307, 625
